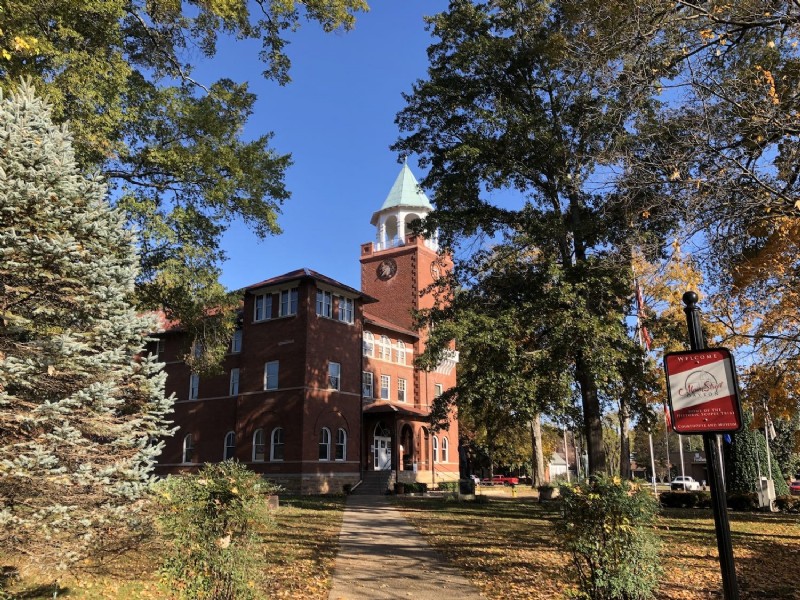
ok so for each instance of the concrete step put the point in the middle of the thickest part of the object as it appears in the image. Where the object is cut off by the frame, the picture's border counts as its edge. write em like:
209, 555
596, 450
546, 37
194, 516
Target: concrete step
375, 483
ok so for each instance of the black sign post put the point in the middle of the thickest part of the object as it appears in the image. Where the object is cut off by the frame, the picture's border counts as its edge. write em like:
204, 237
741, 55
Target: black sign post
714, 464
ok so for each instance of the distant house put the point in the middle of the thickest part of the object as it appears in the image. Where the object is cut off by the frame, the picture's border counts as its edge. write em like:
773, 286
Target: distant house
557, 467
319, 384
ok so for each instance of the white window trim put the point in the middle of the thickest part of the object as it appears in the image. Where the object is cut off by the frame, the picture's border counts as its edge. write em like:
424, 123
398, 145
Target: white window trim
233, 386
263, 446
188, 449
401, 390
371, 393
324, 304
388, 379
438, 390
445, 449
292, 300
267, 313
236, 342
338, 376
435, 449
325, 442
347, 308
226, 446
385, 346
194, 386
369, 344
277, 375
401, 352
341, 433
273, 444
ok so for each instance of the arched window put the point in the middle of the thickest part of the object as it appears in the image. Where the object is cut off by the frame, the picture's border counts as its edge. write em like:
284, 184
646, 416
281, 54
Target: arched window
230, 446
445, 450
276, 448
325, 444
401, 352
385, 350
435, 449
258, 445
188, 448
369, 344
341, 445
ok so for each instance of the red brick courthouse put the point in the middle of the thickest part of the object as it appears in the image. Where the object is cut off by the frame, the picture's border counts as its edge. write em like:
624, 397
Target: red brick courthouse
319, 384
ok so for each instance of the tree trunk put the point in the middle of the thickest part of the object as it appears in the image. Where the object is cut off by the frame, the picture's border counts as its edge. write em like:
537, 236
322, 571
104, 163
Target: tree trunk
592, 418
624, 442
537, 458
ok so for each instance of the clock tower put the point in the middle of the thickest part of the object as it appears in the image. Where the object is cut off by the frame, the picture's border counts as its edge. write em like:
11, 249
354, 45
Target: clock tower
399, 265
397, 397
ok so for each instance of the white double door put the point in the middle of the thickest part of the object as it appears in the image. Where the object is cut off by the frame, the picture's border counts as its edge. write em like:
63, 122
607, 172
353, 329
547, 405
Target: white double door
383, 453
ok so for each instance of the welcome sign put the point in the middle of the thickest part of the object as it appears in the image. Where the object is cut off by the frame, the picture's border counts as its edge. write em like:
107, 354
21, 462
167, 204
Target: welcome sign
703, 392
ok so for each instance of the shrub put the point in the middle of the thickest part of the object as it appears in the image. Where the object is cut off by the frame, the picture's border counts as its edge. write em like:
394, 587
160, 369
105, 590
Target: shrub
745, 501
685, 499
210, 522
607, 527
788, 504
416, 487
448, 486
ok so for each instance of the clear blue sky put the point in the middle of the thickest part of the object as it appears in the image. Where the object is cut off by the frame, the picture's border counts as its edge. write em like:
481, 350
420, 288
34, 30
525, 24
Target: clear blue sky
336, 118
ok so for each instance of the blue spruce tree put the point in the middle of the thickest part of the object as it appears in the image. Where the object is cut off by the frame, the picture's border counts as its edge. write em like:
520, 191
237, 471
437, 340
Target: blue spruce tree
81, 408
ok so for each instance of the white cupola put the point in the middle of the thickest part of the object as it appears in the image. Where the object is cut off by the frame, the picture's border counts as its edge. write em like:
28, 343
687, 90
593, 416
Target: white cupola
405, 203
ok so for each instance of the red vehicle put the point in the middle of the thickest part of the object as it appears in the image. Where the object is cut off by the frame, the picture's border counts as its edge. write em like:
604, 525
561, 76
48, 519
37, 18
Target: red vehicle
794, 488
502, 480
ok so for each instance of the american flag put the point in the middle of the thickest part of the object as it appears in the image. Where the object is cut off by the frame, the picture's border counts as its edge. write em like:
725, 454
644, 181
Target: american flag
647, 340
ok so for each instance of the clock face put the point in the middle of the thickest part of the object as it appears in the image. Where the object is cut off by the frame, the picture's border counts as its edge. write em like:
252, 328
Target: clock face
386, 269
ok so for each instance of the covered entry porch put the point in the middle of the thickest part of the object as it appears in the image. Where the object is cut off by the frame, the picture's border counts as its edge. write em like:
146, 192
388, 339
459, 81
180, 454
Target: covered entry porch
398, 439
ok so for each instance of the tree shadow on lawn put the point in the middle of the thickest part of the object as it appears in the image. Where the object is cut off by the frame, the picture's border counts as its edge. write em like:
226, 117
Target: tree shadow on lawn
768, 570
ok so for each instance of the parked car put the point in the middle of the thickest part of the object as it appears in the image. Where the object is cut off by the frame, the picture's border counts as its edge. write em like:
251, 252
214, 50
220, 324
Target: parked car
794, 488
502, 480
685, 483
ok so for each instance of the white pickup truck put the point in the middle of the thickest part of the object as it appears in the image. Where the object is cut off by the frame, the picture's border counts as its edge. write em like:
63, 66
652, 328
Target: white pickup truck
685, 483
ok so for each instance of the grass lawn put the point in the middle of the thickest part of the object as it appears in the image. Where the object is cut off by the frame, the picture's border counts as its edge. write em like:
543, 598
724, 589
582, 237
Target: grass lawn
508, 548
299, 555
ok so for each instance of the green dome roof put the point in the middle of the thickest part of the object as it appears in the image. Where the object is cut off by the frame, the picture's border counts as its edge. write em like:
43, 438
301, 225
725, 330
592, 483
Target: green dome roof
406, 192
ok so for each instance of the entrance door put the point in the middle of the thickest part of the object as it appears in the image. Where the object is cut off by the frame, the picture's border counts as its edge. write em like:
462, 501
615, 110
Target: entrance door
383, 453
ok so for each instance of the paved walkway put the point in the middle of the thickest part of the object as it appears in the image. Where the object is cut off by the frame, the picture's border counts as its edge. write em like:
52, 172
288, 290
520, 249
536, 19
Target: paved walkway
382, 557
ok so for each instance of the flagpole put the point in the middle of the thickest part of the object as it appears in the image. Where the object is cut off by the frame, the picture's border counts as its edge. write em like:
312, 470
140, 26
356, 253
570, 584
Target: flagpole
644, 343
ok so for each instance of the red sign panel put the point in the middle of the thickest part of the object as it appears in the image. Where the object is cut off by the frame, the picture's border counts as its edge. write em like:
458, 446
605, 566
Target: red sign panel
703, 392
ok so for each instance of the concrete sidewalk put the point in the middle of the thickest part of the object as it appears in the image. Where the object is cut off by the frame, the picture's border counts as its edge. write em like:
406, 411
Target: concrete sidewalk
381, 556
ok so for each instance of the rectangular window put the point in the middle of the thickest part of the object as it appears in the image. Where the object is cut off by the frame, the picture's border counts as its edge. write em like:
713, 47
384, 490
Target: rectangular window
386, 384
346, 309
271, 375
437, 390
263, 309
401, 390
366, 384
159, 349
194, 386
324, 304
236, 342
334, 374
288, 302
234, 386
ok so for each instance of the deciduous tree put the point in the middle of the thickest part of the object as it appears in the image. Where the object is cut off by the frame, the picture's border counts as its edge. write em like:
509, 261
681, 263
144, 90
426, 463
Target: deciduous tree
521, 120
171, 147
